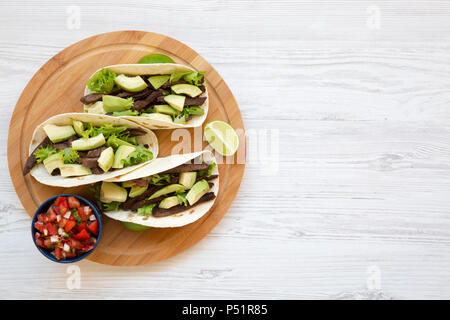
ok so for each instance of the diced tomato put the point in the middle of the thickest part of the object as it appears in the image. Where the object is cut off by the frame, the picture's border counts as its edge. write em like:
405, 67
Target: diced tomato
62, 223
81, 226
39, 240
82, 235
69, 225
39, 226
69, 255
75, 244
62, 210
48, 243
40, 243
82, 214
80, 231
51, 216
93, 227
51, 229
87, 248
58, 253
87, 211
73, 202
62, 202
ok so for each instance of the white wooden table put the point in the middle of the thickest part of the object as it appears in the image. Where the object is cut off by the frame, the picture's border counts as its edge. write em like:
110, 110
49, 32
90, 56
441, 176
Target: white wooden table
359, 93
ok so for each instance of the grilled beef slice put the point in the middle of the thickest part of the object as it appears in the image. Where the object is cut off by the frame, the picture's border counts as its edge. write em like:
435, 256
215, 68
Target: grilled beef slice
204, 177
159, 212
136, 132
142, 94
139, 182
31, 161
131, 201
97, 170
94, 97
64, 144
187, 168
194, 101
91, 98
88, 162
168, 84
95, 153
141, 203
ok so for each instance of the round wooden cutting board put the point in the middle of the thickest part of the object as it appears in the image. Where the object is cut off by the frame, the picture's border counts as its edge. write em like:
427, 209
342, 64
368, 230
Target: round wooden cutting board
57, 88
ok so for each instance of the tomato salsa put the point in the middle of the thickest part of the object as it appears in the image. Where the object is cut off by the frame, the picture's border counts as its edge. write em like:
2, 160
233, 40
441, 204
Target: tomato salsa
68, 229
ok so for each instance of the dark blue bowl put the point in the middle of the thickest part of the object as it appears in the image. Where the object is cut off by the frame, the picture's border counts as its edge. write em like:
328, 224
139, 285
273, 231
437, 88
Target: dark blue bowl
44, 207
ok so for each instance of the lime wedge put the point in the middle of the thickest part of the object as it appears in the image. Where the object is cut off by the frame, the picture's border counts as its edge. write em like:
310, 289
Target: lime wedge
133, 226
156, 58
222, 137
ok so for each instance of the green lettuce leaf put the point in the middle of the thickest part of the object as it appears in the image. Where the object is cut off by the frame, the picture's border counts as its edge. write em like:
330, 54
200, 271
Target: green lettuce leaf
194, 78
125, 113
182, 198
69, 155
102, 81
208, 170
140, 155
175, 76
146, 210
160, 179
113, 206
94, 189
43, 153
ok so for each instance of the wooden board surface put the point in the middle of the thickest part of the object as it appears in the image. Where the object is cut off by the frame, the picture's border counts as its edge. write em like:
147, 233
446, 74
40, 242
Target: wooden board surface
364, 146
57, 87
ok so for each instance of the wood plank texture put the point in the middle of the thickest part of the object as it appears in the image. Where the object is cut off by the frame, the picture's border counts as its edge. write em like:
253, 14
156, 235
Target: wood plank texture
363, 121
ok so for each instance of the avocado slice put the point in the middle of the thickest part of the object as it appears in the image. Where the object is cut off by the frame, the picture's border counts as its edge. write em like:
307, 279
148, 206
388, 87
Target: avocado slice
122, 153
180, 119
84, 144
175, 101
166, 109
113, 141
187, 179
115, 104
78, 126
169, 202
74, 170
158, 116
196, 111
158, 81
197, 191
58, 133
106, 159
189, 89
131, 84
134, 226
127, 184
96, 108
169, 189
52, 162
109, 192
137, 191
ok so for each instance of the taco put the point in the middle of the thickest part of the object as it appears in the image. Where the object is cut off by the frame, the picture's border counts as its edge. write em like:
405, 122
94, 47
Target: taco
169, 192
74, 149
157, 96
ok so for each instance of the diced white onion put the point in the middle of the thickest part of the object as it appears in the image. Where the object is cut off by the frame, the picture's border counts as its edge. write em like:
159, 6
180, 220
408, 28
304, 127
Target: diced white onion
58, 218
54, 239
61, 231
92, 217
45, 232
66, 247
67, 215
